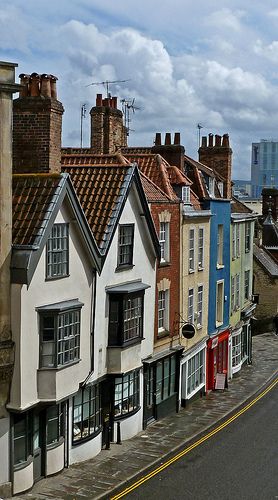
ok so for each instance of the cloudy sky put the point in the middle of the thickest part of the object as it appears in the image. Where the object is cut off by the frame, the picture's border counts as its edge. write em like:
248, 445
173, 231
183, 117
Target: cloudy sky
186, 62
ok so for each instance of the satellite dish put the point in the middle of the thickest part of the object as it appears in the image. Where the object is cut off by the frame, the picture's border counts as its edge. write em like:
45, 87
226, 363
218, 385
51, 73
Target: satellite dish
188, 331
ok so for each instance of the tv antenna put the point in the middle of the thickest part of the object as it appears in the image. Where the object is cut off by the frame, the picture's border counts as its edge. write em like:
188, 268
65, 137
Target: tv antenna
128, 106
82, 116
199, 126
107, 83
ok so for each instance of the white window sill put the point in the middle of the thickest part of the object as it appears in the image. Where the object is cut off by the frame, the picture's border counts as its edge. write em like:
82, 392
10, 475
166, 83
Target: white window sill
190, 271
218, 323
220, 266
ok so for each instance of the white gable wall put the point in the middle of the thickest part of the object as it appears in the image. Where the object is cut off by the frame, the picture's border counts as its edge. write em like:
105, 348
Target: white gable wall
25, 326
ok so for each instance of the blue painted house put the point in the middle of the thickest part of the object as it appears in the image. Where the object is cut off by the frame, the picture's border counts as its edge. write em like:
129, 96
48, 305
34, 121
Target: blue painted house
211, 178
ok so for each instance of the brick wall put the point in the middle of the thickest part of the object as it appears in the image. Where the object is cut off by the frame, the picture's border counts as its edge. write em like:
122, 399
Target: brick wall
170, 271
217, 154
267, 289
108, 132
37, 127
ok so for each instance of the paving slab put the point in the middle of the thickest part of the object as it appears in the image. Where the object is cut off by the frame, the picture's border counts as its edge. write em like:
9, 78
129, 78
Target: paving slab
97, 478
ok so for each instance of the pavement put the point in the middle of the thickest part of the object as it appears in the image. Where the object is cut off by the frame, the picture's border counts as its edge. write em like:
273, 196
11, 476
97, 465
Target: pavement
109, 472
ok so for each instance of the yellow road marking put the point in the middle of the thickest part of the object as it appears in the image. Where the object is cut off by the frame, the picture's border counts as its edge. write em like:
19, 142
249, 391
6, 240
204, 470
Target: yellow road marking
194, 445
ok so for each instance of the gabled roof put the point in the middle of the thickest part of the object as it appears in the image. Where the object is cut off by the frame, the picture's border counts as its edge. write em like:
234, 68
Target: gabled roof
102, 190
266, 261
153, 192
37, 199
155, 168
197, 173
240, 208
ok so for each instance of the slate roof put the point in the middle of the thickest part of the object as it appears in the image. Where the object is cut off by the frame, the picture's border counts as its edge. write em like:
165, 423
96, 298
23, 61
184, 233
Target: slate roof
101, 190
270, 233
266, 261
240, 208
34, 196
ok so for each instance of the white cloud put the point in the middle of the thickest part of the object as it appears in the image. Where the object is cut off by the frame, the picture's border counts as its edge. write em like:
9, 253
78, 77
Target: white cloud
225, 18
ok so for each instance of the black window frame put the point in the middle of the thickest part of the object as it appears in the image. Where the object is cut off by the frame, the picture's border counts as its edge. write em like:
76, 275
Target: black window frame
26, 435
72, 341
62, 252
163, 389
59, 424
116, 334
94, 420
130, 403
130, 246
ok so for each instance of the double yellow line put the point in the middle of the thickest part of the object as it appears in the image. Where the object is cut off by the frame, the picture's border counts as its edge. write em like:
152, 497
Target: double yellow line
194, 445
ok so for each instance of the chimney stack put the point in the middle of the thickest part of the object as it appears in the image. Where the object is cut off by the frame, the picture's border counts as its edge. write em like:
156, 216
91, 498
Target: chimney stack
173, 153
7, 88
108, 132
217, 155
37, 126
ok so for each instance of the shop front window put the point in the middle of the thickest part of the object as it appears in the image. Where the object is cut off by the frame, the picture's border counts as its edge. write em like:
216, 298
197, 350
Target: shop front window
195, 372
127, 393
165, 378
22, 437
86, 413
236, 350
55, 423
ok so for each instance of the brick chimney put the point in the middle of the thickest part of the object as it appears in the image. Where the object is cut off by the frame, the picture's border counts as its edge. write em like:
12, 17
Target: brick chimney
37, 126
108, 132
217, 154
172, 152
7, 88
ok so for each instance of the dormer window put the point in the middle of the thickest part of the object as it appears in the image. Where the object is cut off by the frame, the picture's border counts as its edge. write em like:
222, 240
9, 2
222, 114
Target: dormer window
185, 194
220, 187
211, 186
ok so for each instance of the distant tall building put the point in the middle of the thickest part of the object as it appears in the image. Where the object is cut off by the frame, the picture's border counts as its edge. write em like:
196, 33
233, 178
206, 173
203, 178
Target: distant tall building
264, 166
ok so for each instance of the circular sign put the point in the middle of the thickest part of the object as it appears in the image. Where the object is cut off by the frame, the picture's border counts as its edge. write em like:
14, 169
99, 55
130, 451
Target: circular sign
188, 331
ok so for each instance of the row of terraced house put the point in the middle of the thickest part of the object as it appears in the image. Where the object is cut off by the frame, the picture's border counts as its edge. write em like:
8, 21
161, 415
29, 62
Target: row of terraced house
126, 281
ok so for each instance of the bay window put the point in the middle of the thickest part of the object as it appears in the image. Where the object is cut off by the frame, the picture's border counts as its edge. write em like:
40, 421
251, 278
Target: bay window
127, 393
86, 413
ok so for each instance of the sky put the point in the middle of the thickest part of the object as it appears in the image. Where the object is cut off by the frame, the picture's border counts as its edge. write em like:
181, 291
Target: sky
186, 63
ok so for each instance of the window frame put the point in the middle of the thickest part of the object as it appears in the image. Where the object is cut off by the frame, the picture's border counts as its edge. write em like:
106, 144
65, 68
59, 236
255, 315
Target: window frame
185, 195
247, 237
219, 314
163, 300
93, 402
192, 369
59, 418
129, 246
220, 244
71, 341
200, 292
166, 385
164, 230
116, 335
247, 284
191, 250
63, 252
26, 436
190, 315
126, 381
201, 239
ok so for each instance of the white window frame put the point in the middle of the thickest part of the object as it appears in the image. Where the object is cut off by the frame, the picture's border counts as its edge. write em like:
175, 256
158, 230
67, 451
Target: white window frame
236, 352
247, 237
191, 369
221, 188
220, 236
232, 294
237, 240
185, 194
219, 313
190, 306
163, 311
201, 238
164, 232
200, 300
191, 250
234, 241
237, 291
211, 186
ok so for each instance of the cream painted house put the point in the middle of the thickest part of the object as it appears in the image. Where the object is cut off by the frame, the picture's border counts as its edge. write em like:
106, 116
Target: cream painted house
195, 237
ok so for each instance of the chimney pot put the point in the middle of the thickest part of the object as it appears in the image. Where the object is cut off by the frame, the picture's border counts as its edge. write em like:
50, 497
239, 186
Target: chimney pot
115, 102
218, 140
157, 140
35, 85
99, 100
177, 138
204, 141
225, 141
210, 140
24, 80
45, 85
53, 86
167, 139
